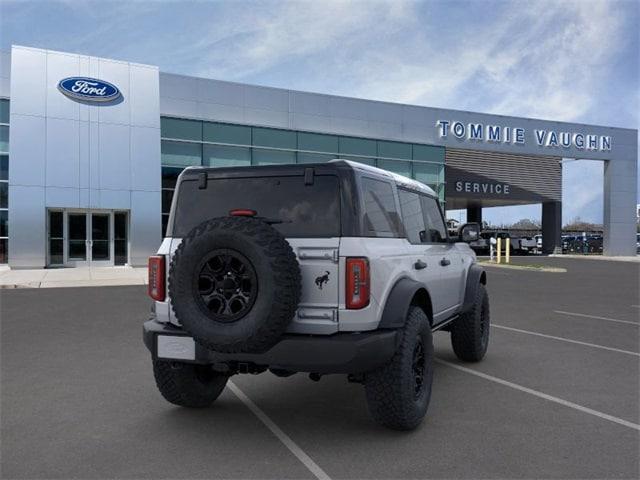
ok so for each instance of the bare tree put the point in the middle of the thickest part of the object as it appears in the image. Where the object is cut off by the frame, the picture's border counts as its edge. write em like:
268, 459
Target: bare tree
579, 225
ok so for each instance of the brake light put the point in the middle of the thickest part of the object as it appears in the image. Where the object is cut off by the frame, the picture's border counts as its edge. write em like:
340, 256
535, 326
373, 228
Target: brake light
156, 288
242, 212
357, 284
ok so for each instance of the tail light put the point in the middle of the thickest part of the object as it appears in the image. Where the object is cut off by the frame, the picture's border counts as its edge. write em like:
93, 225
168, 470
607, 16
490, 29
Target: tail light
358, 286
157, 277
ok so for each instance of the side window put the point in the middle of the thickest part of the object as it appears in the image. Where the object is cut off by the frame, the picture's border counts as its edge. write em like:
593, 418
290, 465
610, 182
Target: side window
381, 217
436, 230
412, 216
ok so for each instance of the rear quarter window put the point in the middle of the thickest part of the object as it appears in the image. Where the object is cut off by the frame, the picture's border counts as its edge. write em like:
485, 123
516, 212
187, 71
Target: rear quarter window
381, 218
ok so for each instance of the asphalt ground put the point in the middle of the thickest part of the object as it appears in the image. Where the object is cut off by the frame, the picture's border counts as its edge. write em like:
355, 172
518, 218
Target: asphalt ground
78, 398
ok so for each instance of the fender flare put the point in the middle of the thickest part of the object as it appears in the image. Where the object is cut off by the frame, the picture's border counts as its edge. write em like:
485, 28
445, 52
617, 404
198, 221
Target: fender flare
475, 277
398, 302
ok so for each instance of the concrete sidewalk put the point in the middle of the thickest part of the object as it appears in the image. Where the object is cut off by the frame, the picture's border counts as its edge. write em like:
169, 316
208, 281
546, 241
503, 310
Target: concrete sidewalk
635, 258
73, 277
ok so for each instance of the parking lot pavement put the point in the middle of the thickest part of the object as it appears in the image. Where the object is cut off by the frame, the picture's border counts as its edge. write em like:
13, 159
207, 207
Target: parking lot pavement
78, 398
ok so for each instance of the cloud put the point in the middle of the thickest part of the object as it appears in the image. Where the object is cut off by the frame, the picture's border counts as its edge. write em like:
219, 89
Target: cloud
568, 46
273, 34
538, 59
569, 60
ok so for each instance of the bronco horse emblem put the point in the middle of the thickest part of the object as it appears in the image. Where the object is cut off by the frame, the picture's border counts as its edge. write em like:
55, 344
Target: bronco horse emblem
322, 279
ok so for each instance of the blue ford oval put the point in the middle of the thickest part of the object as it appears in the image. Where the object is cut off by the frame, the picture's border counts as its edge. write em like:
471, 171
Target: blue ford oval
89, 89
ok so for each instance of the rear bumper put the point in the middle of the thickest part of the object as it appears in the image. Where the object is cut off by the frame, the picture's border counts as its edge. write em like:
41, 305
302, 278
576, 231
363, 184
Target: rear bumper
337, 353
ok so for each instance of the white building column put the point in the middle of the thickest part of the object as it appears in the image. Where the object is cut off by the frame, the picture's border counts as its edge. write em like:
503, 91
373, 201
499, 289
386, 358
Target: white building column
620, 199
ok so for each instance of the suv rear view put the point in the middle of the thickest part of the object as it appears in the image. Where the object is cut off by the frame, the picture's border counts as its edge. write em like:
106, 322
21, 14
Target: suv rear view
318, 268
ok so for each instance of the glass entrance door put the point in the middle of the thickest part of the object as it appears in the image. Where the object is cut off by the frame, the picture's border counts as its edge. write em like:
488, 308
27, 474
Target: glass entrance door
100, 241
87, 238
77, 240
120, 238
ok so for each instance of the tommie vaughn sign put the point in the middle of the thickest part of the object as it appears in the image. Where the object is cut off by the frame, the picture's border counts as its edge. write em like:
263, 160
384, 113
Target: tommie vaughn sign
88, 89
478, 132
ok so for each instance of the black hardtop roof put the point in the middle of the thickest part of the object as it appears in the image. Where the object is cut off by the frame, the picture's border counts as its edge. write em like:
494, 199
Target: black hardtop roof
289, 169
334, 167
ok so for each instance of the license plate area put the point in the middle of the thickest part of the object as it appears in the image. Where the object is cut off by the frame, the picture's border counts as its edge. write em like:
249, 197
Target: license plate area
176, 347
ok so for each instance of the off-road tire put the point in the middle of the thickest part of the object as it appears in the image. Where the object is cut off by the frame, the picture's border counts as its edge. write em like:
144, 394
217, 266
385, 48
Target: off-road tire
277, 274
188, 385
391, 390
470, 331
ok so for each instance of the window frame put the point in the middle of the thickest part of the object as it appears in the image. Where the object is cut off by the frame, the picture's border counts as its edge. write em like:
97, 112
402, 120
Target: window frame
442, 218
5, 102
364, 231
349, 147
208, 148
422, 213
170, 141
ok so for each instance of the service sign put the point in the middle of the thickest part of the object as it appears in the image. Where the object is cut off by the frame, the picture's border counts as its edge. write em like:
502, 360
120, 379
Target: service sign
486, 188
88, 89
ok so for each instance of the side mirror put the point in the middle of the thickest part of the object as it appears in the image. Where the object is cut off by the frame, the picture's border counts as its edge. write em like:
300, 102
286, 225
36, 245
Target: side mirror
469, 232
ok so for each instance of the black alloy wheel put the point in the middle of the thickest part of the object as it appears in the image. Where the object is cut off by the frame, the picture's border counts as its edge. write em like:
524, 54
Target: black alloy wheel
227, 285
418, 367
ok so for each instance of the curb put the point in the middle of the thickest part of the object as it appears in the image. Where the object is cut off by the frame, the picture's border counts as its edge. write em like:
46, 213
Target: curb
602, 258
74, 284
524, 267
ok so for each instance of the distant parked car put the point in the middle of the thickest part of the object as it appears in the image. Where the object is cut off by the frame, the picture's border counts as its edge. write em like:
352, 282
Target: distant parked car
568, 243
594, 244
528, 245
582, 244
538, 247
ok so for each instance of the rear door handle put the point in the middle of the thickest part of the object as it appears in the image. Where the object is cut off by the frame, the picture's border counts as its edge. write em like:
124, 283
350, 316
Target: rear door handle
419, 265
445, 261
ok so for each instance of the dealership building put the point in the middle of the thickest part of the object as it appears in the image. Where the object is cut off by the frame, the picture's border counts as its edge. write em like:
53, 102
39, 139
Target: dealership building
90, 149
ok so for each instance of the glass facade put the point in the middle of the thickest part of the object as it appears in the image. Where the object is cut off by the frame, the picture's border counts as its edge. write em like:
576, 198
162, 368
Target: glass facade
4, 180
194, 142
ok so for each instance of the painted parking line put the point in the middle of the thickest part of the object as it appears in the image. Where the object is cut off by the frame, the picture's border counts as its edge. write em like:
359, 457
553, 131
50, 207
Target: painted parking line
562, 339
574, 314
283, 437
545, 396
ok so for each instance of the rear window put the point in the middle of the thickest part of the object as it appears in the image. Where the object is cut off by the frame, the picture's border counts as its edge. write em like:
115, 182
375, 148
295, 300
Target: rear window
305, 210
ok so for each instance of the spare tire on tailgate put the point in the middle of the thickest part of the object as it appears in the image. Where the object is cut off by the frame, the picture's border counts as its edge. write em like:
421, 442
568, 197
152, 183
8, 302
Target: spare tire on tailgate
234, 284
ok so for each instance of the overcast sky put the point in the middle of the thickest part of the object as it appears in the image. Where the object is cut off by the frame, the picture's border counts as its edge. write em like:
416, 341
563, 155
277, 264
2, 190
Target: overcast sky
559, 60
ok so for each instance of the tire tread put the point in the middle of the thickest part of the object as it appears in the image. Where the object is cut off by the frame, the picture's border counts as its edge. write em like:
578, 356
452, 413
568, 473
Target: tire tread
465, 330
390, 402
180, 386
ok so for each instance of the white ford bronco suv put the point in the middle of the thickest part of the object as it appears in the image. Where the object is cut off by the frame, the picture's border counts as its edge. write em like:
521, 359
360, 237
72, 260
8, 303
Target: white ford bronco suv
328, 268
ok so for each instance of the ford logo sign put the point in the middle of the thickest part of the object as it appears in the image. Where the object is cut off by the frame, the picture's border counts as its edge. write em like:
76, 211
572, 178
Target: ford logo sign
89, 89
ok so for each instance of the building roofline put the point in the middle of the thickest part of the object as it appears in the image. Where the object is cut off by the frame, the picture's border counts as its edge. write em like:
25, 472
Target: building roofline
383, 102
400, 104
